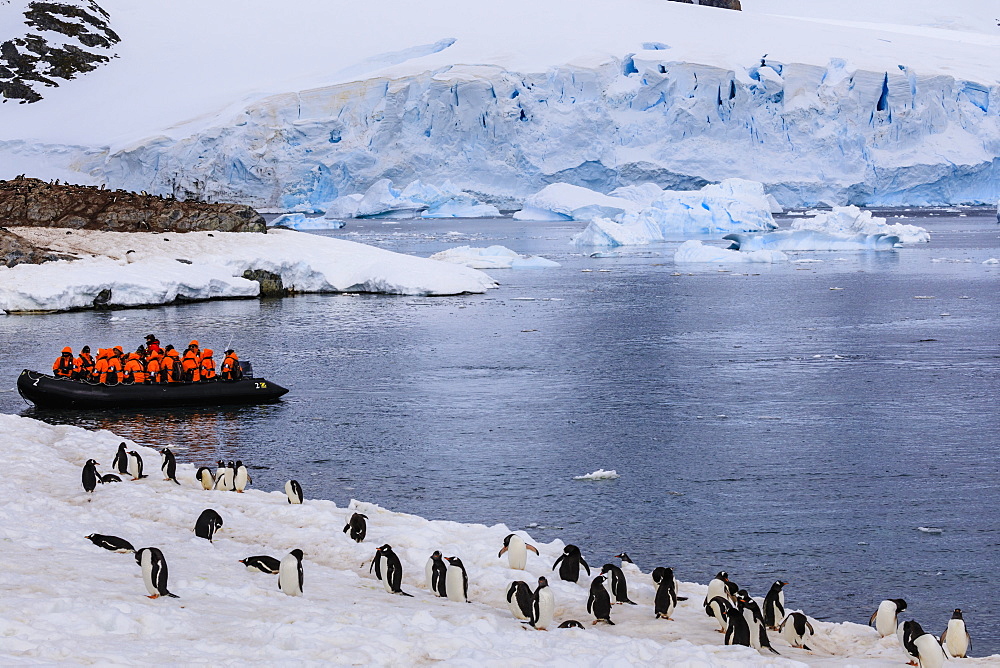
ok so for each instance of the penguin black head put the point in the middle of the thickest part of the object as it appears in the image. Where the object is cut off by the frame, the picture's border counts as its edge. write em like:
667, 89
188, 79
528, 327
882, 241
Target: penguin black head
543, 582
607, 567
900, 604
454, 561
778, 584
506, 540
624, 557
571, 549
722, 575
571, 624
297, 553
598, 582
957, 614
91, 462
384, 548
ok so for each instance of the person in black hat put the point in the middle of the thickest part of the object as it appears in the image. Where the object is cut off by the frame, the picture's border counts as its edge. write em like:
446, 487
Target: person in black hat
152, 343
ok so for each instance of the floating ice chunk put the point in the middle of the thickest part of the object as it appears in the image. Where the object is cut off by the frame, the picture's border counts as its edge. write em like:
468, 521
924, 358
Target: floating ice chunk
930, 529
696, 251
300, 221
462, 206
643, 194
852, 220
344, 207
539, 215
578, 203
599, 474
493, 257
811, 240
382, 198
775, 207
992, 260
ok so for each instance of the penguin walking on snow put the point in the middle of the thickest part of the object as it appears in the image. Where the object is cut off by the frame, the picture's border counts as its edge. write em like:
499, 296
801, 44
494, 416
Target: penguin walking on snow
357, 527
796, 630
599, 601
135, 465
90, 476
666, 592
886, 618
205, 477
457, 581
436, 571
569, 563
154, 572
520, 599
956, 638
169, 465
615, 581
290, 573
755, 621
543, 606
120, 462
388, 569
208, 523
517, 551
293, 490
241, 477
262, 564
774, 605
113, 543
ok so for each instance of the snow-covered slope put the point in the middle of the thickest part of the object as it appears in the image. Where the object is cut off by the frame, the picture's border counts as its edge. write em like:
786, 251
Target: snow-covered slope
840, 102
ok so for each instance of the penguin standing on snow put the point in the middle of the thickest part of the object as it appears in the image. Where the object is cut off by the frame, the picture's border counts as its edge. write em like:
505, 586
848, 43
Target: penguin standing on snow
294, 491
543, 606
436, 571
113, 543
154, 571
599, 601
571, 559
774, 605
457, 581
720, 607
120, 463
956, 638
223, 477
718, 586
929, 654
241, 477
519, 599
737, 629
885, 619
388, 569
517, 551
205, 477
755, 621
135, 465
169, 465
796, 630
290, 573
905, 633
666, 592
208, 523
357, 527
615, 581
262, 564
90, 476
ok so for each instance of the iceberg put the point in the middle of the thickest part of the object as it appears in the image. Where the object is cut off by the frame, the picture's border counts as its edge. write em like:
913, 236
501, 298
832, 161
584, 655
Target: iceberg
811, 240
574, 203
852, 220
493, 257
416, 200
696, 251
300, 221
344, 207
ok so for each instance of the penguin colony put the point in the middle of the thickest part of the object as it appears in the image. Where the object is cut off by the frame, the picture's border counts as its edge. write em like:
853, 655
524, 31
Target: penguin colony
739, 617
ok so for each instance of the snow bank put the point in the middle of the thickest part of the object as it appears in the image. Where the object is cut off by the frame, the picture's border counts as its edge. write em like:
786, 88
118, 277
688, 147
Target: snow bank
851, 220
300, 221
572, 202
383, 200
142, 269
65, 598
492, 257
811, 240
696, 251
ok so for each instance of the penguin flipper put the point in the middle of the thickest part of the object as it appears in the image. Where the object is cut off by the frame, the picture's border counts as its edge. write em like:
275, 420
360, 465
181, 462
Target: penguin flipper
585, 565
629, 602
806, 647
531, 547
346, 527
871, 620
403, 593
167, 593
556, 564
175, 481
682, 598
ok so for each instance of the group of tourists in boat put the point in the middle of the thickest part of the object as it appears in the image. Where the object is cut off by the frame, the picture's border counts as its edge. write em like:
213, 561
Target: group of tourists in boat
149, 364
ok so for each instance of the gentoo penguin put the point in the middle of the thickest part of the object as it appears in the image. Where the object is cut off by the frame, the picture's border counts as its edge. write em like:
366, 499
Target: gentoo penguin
113, 543
436, 571
571, 559
229, 475
543, 606
666, 593
719, 608
517, 551
519, 599
294, 491
737, 629
241, 477
718, 586
208, 523
796, 630
571, 624
906, 634
388, 569
885, 619
930, 654
169, 465
90, 476
120, 463
956, 638
599, 601
615, 580
290, 573
262, 564
135, 465
755, 621
224, 477
205, 477
774, 605
154, 571
110, 477
457, 581
357, 527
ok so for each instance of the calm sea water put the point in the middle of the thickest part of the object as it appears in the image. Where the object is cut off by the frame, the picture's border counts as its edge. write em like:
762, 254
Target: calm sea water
798, 421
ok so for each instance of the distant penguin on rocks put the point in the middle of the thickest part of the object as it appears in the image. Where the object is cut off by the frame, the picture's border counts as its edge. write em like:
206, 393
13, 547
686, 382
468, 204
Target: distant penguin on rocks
90, 476
436, 572
517, 551
241, 477
169, 465
774, 605
135, 465
109, 478
615, 581
205, 477
796, 630
208, 523
294, 491
956, 638
885, 619
262, 564
356, 527
719, 607
718, 586
569, 563
457, 581
120, 463
154, 571
543, 606
113, 543
571, 624
520, 599
290, 573
599, 601
666, 593
389, 570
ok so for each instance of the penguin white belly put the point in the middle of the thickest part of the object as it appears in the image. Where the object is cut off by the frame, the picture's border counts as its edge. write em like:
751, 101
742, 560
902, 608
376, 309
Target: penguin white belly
929, 652
292, 493
789, 634
957, 643
206, 479
754, 631
517, 553
288, 575
515, 609
240, 481
429, 574
147, 573
885, 618
546, 609
716, 588
133, 467
383, 568
454, 584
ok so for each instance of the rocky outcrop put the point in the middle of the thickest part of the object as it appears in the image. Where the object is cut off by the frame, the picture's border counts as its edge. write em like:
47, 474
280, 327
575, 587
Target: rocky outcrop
724, 4
15, 250
270, 283
34, 203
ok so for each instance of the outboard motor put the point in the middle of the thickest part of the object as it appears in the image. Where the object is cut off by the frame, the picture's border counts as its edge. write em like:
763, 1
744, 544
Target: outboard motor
246, 369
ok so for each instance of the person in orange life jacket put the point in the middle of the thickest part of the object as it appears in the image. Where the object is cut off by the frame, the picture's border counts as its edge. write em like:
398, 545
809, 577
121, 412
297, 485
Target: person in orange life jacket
231, 366
63, 366
113, 371
134, 370
153, 366
207, 365
170, 365
101, 365
83, 366
152, 343
191, 365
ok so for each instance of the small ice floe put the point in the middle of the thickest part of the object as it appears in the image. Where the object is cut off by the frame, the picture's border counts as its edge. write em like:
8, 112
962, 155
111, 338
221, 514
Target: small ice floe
836, 288
768, 417
599, 474
992, 260
116, 318
923, 297
493, 257
930, 529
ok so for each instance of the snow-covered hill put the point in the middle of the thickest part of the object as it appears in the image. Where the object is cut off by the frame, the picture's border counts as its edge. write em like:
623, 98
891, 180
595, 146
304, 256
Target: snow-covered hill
293, 104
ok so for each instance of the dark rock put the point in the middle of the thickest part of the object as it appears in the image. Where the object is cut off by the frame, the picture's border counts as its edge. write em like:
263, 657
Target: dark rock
15, 250
724, 4
270, 283
102, 299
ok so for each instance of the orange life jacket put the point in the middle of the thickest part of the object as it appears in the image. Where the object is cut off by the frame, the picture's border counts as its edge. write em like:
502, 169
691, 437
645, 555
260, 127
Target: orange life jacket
207, 365
112, 371
83, 366
231, 367
190, 366
63, 366
134, 369
153, 368
170, 367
